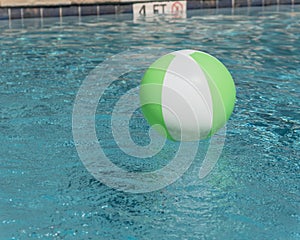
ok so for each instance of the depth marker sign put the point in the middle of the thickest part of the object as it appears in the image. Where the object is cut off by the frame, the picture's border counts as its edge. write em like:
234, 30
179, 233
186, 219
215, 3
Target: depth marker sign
150, 9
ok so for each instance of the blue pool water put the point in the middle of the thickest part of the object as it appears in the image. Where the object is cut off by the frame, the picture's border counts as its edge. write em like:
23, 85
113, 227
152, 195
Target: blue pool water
252, 193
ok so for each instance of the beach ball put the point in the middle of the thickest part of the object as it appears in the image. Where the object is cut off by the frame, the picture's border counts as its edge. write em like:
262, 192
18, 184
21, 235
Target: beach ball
187, 95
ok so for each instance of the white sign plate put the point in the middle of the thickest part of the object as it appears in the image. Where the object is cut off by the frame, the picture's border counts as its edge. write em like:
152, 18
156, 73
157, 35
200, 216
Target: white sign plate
150, 9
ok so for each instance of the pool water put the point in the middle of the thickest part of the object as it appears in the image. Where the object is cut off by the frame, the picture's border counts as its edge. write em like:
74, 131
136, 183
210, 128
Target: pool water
252, 193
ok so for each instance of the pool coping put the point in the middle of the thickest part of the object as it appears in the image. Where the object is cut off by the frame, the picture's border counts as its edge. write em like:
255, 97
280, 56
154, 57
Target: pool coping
119, 7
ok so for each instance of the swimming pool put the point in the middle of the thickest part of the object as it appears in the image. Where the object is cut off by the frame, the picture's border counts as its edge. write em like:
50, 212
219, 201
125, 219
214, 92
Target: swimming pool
252, 193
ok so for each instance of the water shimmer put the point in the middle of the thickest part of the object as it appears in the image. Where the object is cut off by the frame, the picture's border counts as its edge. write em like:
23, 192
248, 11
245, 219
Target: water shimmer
46, 192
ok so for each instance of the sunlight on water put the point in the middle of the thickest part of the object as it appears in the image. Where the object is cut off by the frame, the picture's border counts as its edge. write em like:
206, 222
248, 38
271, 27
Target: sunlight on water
253, 193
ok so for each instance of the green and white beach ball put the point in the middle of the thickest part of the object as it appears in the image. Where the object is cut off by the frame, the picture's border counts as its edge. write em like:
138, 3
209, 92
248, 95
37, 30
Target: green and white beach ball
187, 95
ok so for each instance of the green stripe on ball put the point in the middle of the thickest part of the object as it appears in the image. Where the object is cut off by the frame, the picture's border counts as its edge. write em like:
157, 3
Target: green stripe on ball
221, 86
155, 76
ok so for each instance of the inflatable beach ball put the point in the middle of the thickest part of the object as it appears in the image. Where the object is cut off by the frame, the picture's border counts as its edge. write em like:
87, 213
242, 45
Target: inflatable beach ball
187, 95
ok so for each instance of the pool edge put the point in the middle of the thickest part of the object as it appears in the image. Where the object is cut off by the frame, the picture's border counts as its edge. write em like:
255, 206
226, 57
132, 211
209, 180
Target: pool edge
119, 7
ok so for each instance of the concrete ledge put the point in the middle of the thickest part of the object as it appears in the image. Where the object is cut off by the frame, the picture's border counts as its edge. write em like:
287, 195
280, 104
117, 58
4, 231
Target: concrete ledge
18, 3
41, 3
7, 13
